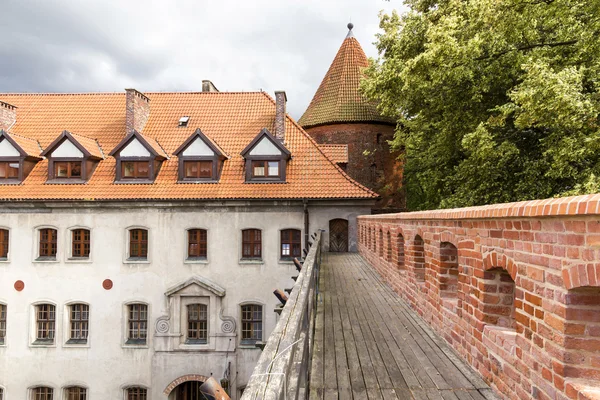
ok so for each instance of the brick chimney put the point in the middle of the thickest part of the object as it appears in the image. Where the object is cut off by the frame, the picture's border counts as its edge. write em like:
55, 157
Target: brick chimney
8, 116
208, 86
280, 100
137, 110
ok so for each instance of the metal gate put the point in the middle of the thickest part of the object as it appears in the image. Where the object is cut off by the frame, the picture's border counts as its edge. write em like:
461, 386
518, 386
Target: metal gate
338, 235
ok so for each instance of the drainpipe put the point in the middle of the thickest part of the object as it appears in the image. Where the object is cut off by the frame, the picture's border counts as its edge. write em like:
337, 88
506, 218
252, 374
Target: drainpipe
306, 235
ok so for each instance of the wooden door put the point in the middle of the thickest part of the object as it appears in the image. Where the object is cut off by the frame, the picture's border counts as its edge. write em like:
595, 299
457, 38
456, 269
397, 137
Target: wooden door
338, 235
189, 391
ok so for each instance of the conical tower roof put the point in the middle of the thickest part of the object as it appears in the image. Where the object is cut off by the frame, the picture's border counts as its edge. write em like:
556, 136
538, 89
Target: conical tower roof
338, 99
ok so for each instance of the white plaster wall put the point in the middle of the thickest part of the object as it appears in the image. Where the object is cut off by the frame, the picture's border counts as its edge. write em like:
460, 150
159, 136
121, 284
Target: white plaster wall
134, 149
265, 148
105, 366
67, 149
8, 150
198, 148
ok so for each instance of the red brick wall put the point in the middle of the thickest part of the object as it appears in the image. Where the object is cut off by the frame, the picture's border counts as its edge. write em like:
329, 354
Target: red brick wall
364, 152
8, 116
513, 288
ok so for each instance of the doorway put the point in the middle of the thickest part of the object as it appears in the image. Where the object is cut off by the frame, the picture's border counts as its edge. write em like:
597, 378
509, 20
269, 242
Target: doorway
338, 235
189, 391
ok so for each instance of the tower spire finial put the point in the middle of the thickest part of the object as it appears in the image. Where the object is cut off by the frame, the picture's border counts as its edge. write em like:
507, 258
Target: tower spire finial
350, 34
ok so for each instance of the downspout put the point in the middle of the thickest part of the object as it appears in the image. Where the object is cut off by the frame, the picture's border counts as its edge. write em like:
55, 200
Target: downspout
306, 226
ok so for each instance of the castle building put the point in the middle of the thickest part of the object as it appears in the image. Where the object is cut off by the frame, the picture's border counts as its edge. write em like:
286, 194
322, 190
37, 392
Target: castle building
142, 236
349, 128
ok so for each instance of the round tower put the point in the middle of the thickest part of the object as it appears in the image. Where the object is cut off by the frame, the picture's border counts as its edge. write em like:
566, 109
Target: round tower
343, 122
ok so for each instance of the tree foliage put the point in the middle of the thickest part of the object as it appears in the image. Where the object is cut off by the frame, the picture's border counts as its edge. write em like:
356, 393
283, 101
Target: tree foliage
497, 100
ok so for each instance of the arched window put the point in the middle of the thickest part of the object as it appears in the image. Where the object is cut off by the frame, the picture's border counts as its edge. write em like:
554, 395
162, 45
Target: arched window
48, 243
252, 323
80, 243
251, 243
4, 244
138, 244
42, 393
136, 393
45, 320
499, 299
137, 323
291, 243
75, 393
79, 320
197, 244
418, 258
400, 244
197, 332
448, 273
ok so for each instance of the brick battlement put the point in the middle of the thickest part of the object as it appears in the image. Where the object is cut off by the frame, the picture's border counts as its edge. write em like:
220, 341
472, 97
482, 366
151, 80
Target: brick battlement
513, 288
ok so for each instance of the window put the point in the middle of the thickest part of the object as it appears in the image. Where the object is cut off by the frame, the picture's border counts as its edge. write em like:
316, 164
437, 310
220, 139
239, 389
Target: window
197, 243
46, 323
135, 170
252, 323
9, 170
80, 243
198, 169
291, 243
261, 169
137, 324
251, 243
1, 394
2, 326
4, 243
197, 323
67, 169
42, 393
138, 244
75, 393
265, 158
80, 316
136, 393
48, 243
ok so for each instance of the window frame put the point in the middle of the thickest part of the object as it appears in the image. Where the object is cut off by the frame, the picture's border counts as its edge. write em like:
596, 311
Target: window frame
11, 160
252, 341
80, 388
291, 242
4, 244
33, 394
132, 341
137, 161
3, 324
199, 321
69, 162
52, 240
137, 258
80, 243
127, 395
200, 242
282, 158
252, 243
51, 325
84, 323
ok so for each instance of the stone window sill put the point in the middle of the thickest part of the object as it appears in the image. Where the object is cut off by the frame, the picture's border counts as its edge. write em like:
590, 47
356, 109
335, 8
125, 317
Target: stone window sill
46, 260
250, 261
196, 260
136, 261
78, 260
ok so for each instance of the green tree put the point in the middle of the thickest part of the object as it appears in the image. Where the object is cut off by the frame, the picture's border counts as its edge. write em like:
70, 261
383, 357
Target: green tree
497, 100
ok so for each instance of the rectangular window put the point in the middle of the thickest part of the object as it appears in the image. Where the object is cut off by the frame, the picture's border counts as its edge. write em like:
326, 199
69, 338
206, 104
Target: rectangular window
291, 243
42, 393
9, 170
251, 243
137, 325
252, 315
46, 323
76, 393
197, 323
2, 324
197, 243
80, 243
138, 243
262, 169
67, 169
80, 316
4, 243
135, 169
48, 243
198, 169
136, 393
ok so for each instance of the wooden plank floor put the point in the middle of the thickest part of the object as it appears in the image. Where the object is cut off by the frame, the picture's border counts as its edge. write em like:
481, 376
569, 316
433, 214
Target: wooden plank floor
370, 345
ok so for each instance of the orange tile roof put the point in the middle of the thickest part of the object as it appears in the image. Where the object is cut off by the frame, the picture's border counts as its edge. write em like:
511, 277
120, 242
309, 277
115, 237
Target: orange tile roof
91, 145
338, 153
338, 99
230, 119
29, 146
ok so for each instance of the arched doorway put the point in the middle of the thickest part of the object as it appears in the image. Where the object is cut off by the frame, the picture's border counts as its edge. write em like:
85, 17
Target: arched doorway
186, 388
338, 235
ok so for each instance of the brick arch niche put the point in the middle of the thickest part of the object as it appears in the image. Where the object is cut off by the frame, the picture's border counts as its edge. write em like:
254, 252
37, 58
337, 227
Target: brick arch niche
182, 379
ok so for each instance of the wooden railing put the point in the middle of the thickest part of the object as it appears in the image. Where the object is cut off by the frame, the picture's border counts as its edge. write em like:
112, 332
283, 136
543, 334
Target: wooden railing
282, 372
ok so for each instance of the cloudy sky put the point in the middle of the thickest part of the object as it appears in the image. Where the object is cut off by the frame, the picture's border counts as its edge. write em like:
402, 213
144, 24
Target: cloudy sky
168, 45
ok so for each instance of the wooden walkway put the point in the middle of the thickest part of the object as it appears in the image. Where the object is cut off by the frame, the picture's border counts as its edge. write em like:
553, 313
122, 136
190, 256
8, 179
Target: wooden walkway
370, 345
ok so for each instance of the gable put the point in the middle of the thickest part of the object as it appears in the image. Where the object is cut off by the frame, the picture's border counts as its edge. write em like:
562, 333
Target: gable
68, 150
198, 148
8, 150
265, 147
134, 149
196, 286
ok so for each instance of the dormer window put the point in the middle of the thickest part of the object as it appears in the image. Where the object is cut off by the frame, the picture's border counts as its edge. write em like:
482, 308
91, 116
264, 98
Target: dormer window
200, 159
266, 159
18, 156
139, 159
72, 158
